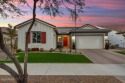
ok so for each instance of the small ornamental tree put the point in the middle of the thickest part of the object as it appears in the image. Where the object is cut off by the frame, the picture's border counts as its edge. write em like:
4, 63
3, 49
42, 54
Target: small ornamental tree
11, 35
50, 7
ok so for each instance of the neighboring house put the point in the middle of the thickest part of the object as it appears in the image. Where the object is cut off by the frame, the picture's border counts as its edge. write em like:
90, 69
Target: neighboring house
47, 36
116, 37
7, 40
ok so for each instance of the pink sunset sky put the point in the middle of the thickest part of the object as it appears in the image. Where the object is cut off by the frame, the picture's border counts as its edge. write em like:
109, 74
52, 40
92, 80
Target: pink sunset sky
100, 12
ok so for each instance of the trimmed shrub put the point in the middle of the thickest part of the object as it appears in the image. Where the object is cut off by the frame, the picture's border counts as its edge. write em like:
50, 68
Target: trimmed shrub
41, 50
18, 50
29, 49
35, 49
51, 50
60, 49
70, 50
114, 46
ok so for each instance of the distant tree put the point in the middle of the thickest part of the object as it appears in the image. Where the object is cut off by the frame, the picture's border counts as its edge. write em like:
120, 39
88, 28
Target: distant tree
11, 35
8, 8
50, 7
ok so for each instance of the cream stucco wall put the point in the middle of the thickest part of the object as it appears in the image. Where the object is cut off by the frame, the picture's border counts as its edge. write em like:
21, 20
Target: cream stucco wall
116, 39
38, 26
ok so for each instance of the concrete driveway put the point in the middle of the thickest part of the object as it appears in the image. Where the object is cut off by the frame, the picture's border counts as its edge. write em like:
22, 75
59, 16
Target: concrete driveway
104, 56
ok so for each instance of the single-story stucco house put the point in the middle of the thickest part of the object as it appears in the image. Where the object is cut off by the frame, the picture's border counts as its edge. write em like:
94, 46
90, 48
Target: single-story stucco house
115, 36
45, 35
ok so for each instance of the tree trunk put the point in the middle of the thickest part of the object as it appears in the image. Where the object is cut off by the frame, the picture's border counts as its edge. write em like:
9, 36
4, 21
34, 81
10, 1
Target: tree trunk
18, 76
11, 45
26, 43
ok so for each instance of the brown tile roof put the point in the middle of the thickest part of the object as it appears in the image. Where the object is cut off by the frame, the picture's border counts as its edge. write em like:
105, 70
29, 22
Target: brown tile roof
4, 30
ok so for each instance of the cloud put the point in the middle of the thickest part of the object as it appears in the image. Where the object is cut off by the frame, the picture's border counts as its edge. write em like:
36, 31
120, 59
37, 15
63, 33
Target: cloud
110, 4
101, 12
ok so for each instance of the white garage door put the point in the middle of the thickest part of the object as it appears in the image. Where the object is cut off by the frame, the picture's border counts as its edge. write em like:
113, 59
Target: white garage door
89, 42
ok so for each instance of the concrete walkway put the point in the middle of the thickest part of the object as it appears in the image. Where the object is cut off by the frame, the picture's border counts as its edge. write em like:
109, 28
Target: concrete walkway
104, 56
72, 69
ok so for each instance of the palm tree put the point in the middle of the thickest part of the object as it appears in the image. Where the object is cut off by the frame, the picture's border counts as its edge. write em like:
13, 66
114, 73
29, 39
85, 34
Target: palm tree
12, 35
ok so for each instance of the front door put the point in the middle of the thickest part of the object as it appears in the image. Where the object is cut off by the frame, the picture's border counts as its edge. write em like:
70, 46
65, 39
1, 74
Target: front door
65, 41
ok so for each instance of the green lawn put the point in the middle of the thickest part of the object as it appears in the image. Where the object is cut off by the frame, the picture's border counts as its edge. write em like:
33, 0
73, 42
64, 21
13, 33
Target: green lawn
53, 58
121, 52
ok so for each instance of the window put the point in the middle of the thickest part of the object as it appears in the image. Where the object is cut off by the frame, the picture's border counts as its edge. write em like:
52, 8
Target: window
36, 37
59, 38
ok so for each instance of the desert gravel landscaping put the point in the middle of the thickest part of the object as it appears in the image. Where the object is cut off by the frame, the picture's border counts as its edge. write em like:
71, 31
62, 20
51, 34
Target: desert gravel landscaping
64, 79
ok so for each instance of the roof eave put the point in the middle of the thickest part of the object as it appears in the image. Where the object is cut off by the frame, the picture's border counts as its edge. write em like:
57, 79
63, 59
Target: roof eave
120, 33
89, 31
28, 21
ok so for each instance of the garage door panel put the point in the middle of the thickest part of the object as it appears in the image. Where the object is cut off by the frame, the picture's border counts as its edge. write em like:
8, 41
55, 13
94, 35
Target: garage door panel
89, 42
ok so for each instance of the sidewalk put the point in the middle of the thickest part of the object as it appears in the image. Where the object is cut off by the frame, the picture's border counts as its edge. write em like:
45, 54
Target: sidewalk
72, 69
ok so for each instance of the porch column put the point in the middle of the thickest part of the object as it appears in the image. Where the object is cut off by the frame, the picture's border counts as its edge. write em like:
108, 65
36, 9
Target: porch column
71, 40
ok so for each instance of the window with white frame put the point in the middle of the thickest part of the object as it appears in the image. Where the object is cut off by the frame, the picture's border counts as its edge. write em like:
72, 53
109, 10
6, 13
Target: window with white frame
59, 38
36, 38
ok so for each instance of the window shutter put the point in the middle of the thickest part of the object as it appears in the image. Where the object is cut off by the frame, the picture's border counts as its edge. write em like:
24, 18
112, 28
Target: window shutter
43, 37
28, 37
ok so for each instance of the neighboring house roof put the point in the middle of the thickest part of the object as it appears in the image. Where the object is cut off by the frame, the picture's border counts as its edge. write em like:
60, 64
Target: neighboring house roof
118, 28
4, 30
30, 20
121, 32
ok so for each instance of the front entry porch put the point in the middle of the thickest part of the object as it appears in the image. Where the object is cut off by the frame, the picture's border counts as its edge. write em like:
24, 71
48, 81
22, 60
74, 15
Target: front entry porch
66, 42
63, 41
